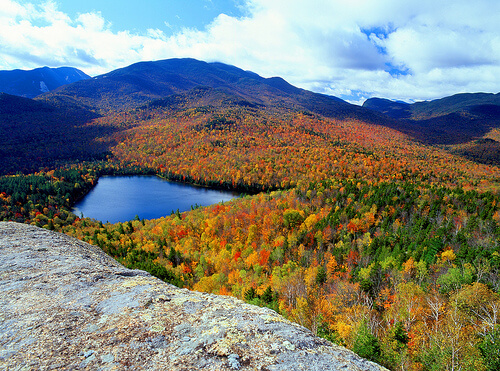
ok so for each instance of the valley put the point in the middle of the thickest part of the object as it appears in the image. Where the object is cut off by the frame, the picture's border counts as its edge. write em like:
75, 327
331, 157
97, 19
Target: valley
376, 227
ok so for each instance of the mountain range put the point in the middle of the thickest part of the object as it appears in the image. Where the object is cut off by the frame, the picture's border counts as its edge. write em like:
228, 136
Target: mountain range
143, 82
67, 109
32, 83
450, 120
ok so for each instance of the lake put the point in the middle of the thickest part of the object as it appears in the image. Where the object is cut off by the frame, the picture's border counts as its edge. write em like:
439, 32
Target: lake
120, 198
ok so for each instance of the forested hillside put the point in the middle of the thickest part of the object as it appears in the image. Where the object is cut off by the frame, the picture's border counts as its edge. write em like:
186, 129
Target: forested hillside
351, 228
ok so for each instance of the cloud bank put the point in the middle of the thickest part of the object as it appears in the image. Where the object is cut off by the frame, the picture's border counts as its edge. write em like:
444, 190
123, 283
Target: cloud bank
411, 50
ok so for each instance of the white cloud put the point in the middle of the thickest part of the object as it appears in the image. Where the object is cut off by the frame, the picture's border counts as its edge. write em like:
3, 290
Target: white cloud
11, 9
91, 21
419, 49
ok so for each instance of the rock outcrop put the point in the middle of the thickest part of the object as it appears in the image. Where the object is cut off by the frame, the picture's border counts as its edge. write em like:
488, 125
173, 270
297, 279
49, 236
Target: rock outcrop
65, 304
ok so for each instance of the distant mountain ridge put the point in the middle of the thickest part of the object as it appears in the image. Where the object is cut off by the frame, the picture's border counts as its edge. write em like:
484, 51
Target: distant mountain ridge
463, 102
451, 120
141, 83
397, 110
68, 113
30, 84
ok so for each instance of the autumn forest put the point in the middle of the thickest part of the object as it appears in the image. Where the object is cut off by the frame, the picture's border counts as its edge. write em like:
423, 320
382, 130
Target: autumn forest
368, 236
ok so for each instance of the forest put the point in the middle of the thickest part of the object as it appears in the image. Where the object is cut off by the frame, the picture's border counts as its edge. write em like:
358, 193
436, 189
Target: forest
375, 241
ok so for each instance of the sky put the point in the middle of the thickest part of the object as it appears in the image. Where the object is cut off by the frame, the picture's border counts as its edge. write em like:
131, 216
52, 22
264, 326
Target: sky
408, 50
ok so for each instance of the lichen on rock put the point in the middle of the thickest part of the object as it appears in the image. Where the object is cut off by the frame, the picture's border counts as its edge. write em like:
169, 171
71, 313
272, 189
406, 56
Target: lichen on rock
65, 304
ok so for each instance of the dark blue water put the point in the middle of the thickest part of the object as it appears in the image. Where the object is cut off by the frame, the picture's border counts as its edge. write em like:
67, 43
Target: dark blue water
120, 198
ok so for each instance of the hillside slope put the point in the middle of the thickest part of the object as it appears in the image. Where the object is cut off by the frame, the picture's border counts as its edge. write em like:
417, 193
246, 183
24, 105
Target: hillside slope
37, 133
96, 313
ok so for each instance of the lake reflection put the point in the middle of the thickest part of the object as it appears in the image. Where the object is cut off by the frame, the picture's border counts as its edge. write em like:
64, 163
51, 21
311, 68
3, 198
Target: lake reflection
121, 198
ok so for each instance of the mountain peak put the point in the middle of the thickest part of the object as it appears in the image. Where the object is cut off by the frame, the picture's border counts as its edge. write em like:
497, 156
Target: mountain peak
143, 82
32, 83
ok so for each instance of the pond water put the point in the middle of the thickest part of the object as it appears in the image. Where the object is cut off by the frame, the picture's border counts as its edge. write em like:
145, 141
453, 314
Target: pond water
120, 198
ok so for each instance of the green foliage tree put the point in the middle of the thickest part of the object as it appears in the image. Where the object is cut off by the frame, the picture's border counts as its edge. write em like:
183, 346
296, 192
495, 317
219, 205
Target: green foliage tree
490, 349
366, 344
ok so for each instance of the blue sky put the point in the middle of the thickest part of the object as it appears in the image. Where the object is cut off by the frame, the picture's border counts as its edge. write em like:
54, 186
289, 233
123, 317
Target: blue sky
405, 50
139, 16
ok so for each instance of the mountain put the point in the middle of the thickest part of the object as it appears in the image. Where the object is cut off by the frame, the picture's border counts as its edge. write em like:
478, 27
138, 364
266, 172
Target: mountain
484, 104
41, 80
451, 120
60, 125
136, 85
181, 84
478, 104
397, 110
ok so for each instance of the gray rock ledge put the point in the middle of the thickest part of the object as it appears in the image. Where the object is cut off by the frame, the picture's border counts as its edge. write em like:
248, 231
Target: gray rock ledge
65, 304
